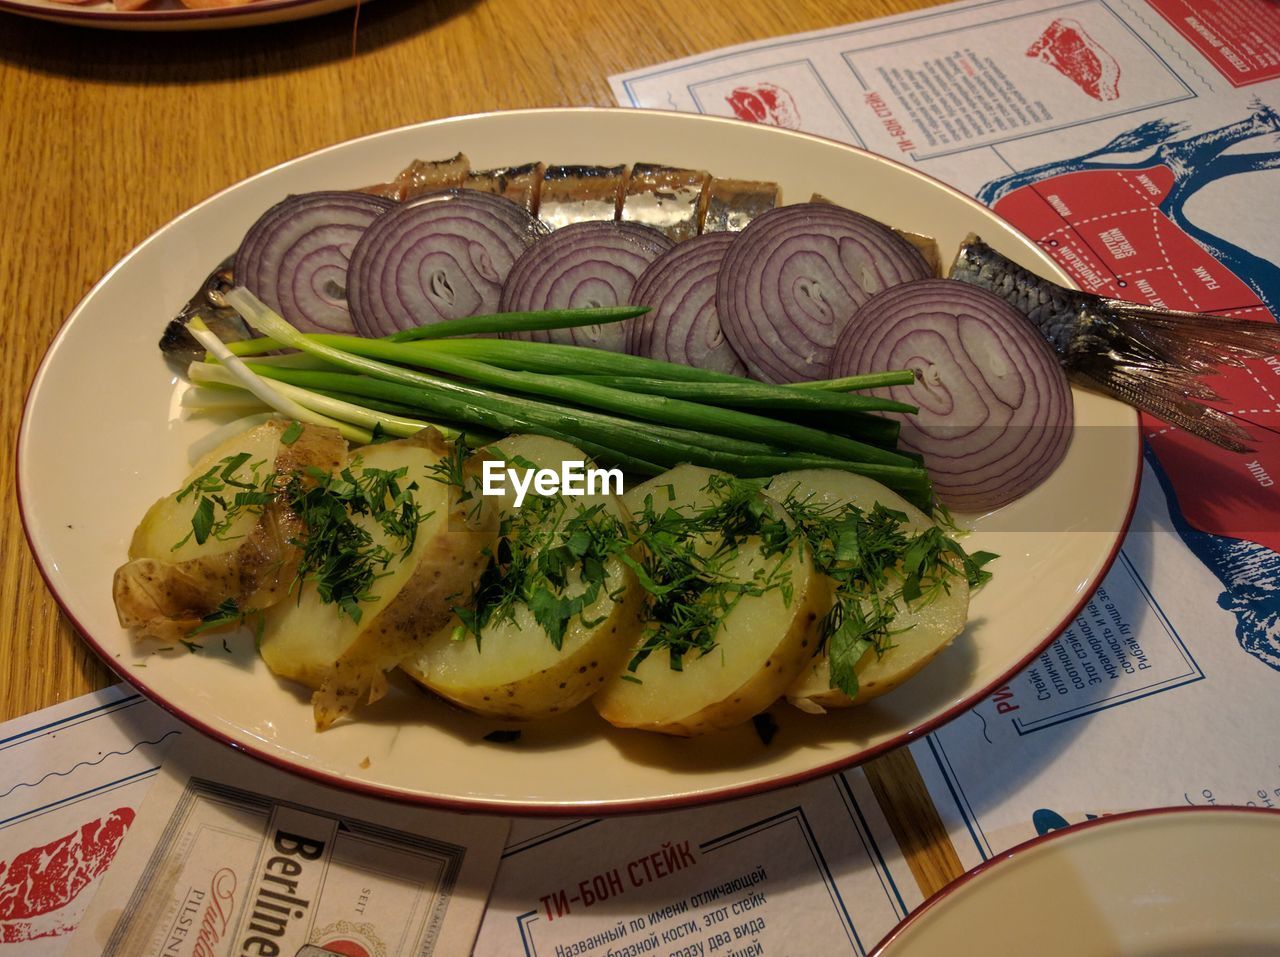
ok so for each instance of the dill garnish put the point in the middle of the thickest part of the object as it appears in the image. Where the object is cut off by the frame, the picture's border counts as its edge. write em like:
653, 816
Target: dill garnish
541, 550
340, 555
215, 510
685, 559
878, 565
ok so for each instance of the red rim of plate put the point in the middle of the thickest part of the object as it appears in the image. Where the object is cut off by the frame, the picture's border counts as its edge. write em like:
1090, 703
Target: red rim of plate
578, 809
74, 14
882, 949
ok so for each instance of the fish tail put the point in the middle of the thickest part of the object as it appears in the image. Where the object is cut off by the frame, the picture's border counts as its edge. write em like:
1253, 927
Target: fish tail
1155, 358
1147, 356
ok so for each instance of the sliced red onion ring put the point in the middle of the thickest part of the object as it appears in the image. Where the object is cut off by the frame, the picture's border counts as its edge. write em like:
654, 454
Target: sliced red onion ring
795, 276
996, 411
294, 258
443, 255
580, 266
682, 325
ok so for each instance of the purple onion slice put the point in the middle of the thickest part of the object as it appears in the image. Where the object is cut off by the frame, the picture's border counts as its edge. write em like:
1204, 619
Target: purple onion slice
996, 411
294, 258
682, 324
444, 255
579, 266
796, 274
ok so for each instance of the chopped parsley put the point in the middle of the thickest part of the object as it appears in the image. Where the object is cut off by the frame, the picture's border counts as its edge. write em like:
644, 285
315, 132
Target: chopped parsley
222, 493
292, 433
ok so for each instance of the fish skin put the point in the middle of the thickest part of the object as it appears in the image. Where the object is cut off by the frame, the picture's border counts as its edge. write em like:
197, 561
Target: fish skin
178, 345
1146, 356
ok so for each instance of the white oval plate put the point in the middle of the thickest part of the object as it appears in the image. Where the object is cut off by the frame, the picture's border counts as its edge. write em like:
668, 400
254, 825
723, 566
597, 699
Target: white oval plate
171, 15
1172, 882
102, 438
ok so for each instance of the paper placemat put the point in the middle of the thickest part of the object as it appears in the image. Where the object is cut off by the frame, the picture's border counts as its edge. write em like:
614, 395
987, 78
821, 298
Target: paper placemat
1137, 143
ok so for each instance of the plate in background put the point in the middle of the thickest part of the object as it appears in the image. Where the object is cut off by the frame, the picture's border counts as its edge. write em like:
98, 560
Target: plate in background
172, 15
1170, 882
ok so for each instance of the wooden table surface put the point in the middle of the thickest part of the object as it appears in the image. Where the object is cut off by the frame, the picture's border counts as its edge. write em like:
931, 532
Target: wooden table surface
106, 136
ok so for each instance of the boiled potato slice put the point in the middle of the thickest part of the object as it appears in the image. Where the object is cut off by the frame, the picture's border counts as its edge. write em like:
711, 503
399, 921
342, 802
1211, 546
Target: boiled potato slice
512, 669
312, 641
926, 626
164, 591
762, 643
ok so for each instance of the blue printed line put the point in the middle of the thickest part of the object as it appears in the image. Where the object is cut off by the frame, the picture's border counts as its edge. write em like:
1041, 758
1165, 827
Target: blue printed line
98, 712
1196, 673
1000, 157
72, 799
845, 55
526, 935
547, 838
86, 764
950, 11
1156, 31
869, 844
957, 794
796, 815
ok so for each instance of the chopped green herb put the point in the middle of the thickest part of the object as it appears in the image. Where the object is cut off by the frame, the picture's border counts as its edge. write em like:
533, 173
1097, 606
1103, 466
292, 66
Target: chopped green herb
688, 582
339, 555
877, 564
228, 612
292, 433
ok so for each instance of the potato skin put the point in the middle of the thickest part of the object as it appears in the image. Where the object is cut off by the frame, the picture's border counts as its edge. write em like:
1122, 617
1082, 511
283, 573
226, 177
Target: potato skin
447, 565
162, 599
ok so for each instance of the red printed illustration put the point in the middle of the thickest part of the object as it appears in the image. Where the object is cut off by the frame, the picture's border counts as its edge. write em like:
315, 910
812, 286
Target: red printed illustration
347, 939
1241, 38
1123, 229
42, 890
765, 103
1067, 48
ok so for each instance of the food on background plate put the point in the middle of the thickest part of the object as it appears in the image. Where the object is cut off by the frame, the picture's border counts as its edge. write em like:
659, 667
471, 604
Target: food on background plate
130, 5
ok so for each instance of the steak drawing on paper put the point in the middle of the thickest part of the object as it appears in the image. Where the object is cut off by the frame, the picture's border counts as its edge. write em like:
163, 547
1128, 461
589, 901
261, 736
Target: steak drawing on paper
1121, 228
42, 890
1067, 48
765, 103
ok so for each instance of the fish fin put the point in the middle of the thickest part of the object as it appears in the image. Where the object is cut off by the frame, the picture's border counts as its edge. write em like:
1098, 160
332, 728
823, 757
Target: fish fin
1156, 359
1192, 337
1166, 397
